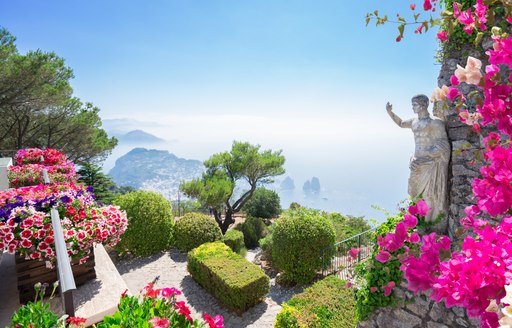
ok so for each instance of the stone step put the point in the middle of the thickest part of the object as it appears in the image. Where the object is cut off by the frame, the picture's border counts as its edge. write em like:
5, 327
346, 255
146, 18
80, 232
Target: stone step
93, 300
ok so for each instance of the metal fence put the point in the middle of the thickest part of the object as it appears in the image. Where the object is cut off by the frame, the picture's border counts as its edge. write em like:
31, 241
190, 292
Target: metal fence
336, 258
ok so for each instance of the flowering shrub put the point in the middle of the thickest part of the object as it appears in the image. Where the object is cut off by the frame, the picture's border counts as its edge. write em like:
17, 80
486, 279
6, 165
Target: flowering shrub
373, 291
157, 308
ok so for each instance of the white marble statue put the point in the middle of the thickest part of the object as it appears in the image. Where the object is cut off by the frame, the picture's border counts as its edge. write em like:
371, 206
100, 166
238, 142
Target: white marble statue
429, 165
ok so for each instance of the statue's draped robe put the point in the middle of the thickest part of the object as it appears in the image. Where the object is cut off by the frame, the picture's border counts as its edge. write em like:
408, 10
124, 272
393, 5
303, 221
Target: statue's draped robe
430, 179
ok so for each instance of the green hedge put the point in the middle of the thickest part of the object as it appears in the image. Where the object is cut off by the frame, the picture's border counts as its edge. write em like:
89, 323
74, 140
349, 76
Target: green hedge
150, 223
298, 239
326, 304
253, 229
235, 240
234, 281
195, 229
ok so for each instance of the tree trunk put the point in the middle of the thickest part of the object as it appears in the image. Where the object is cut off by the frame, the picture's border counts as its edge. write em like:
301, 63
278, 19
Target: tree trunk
228, 220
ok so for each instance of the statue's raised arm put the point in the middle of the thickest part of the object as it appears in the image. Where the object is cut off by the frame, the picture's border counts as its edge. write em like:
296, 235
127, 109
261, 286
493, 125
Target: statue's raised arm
396, 118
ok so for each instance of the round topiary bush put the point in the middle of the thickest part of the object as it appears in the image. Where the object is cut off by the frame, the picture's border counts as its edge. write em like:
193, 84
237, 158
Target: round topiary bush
235, 240
195, 229
150, 223
297, 241
264, 203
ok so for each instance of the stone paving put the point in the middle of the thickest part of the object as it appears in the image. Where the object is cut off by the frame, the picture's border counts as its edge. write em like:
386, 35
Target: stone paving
171, 266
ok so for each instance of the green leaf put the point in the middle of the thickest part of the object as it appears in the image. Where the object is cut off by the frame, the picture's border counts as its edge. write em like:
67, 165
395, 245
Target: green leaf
478, 38
401, 29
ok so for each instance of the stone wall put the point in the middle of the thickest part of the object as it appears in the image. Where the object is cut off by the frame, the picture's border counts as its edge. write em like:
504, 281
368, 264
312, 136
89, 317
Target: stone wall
418, 312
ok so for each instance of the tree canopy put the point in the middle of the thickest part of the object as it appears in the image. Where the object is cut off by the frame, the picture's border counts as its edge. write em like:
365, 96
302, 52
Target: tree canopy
38, 108
243, 167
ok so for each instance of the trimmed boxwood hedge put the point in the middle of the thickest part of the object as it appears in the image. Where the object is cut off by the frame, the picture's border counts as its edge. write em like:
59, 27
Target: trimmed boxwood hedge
234, 281
326, 304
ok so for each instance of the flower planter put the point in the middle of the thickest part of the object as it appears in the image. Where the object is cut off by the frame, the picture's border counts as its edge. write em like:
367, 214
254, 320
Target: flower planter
30, 272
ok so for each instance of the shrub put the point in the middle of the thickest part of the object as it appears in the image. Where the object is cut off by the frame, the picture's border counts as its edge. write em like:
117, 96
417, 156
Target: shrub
235, 240
264, 203
195, 229
150, 223
253, 229
326, 304
233, 280
297, 241
266, 244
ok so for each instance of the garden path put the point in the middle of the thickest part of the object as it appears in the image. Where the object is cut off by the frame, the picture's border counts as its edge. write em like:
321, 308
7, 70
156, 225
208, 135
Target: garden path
171, 266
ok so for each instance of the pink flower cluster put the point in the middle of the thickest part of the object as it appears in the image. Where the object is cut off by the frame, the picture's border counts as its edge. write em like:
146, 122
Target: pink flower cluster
30, 233
32, 174
33, 156
29, 169
169, 295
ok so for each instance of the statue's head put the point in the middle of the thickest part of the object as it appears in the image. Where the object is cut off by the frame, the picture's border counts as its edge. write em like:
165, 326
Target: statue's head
419, 103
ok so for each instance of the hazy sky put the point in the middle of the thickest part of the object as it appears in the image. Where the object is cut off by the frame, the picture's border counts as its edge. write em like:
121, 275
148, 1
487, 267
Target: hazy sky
306, 77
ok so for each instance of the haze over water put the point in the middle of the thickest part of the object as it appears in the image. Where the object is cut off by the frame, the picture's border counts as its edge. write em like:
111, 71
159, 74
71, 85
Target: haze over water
307, 77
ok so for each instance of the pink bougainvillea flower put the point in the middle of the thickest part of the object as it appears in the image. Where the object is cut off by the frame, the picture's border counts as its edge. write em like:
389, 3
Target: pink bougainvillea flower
470, 118
348, 284
470, 74
383, 256
414, 238
412, 6
454, 80
410, 221
160, 322
442, 36
452, 93
353, 252
388, 288
440, 93
373, 289
480, 12
427, 5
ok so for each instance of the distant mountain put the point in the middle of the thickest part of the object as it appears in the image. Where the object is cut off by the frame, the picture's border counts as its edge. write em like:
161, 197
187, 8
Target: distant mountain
155, 170
312, 186
315, 184
139, 136
287, 184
